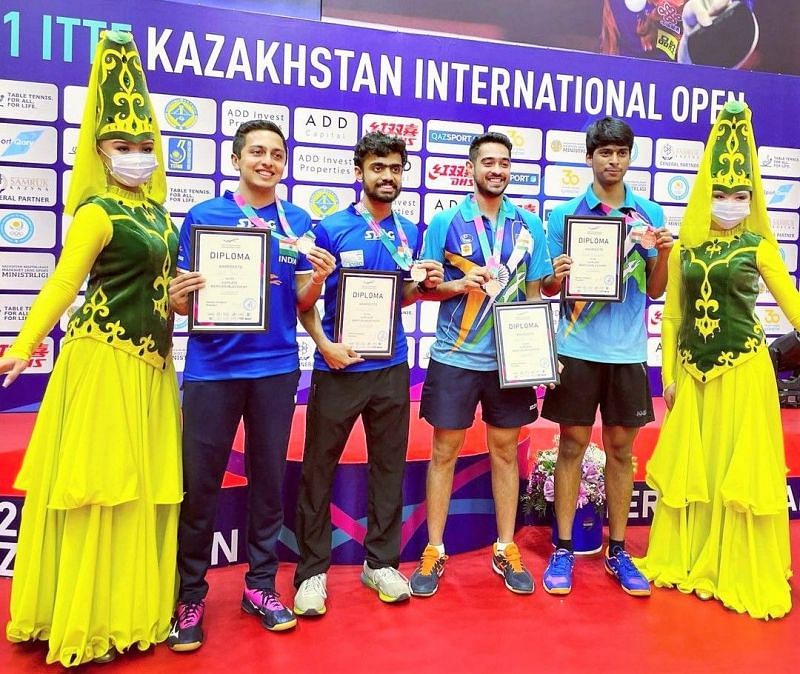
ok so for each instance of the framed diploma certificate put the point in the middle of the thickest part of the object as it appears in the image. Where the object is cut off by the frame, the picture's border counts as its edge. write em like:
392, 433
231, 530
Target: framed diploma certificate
236, 265
596, 245
526, 344
367, 307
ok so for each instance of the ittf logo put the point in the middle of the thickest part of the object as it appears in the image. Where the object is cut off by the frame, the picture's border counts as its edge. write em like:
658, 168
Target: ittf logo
22, 143
179, 154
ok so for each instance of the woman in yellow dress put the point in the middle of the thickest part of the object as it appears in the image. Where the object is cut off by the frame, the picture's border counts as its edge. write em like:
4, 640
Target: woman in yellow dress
95, 568
721, 526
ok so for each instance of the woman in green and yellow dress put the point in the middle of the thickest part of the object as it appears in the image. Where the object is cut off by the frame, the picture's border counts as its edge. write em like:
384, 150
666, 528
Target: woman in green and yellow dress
95, 568
721, 527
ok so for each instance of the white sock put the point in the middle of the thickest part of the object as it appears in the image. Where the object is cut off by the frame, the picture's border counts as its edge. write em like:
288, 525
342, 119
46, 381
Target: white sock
501, 547
438, 548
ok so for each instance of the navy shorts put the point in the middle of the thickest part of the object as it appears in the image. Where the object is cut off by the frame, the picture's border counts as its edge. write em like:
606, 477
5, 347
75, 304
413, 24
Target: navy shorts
621, 390
451, 395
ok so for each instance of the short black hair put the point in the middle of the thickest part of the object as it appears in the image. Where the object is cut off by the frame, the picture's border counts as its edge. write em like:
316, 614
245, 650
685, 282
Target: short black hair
608, 131
380, 145
491, 137
255, 125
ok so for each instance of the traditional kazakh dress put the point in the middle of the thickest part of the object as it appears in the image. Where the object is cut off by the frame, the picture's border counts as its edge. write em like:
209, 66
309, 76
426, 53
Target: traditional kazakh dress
95, 564
721, 526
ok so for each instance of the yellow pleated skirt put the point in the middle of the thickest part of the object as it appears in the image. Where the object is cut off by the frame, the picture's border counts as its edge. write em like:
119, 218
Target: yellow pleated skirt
721, 526
95, 565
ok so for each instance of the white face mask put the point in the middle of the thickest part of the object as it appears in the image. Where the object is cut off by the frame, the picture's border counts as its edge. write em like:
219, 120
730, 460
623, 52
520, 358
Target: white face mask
728, 214
132, 169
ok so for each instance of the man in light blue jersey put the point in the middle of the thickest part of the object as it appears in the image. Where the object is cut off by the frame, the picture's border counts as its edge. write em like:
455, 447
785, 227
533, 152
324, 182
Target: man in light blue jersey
492, 251
243, 375
603, 349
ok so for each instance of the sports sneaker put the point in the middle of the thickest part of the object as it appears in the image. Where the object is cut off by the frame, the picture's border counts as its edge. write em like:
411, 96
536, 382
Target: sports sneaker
186, 632
509, 565
631, 580
389, 583
274, 616
309, 600
425, 580
557, 578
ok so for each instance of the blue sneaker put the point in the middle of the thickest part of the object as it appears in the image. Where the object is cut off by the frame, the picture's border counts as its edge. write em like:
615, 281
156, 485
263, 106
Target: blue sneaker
508, 564
265, 603
425, 579
557, 577
631, 580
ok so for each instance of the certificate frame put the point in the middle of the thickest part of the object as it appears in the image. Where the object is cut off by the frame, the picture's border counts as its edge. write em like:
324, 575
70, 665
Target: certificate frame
613, 289
526, 344
254, 314
379, 314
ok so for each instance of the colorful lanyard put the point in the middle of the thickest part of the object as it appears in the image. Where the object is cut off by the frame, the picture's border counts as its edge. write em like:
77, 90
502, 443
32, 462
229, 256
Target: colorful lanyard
402, 254
492, 258
631, 217
258, 221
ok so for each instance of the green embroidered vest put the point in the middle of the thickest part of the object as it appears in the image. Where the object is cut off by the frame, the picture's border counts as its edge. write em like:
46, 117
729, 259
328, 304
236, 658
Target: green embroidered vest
719, 327
126, 302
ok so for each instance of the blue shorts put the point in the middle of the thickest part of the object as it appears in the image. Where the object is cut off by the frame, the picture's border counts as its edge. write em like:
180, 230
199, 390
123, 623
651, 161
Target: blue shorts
451, 395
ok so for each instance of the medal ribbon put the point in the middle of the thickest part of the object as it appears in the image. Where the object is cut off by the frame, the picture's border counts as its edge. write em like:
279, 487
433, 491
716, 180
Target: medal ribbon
631, 217
288, 237
401, 255
492, 259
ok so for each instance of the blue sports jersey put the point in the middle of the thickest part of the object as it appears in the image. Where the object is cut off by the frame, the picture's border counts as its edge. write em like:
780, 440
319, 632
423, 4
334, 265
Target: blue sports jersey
350, 240
465, 328
247, 355
606, 332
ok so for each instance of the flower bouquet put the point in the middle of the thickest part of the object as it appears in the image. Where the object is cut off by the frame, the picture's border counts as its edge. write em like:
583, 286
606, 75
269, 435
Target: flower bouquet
590, 507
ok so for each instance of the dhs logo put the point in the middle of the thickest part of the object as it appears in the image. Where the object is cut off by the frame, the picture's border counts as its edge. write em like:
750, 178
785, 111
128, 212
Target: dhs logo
323, 202
678, 188
180, 113
179, 154
22, 143
16, 228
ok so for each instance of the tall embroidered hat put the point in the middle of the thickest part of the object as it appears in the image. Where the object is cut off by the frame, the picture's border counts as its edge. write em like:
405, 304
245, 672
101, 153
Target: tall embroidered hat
730, 164
118, 105
731, 161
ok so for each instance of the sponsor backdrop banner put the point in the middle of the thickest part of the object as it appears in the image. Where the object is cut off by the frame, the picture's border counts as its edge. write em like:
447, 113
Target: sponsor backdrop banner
211, 69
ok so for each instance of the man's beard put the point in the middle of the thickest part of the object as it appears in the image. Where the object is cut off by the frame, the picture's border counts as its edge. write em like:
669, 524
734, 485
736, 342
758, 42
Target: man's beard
485, 190
380, 196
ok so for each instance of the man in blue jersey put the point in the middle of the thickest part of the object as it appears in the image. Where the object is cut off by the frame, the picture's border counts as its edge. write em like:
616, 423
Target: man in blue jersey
366, 235
237, 375
492, 252
603, 349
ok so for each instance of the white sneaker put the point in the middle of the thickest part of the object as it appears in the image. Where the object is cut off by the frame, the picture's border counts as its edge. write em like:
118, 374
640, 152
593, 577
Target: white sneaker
389, 583
311, 595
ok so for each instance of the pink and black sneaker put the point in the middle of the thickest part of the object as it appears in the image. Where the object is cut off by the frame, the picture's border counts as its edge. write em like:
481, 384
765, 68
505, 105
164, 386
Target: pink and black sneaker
186, 631
265, 603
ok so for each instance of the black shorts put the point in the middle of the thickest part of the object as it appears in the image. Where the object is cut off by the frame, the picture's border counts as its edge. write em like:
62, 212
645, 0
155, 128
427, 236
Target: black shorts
622, 391
451, 395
